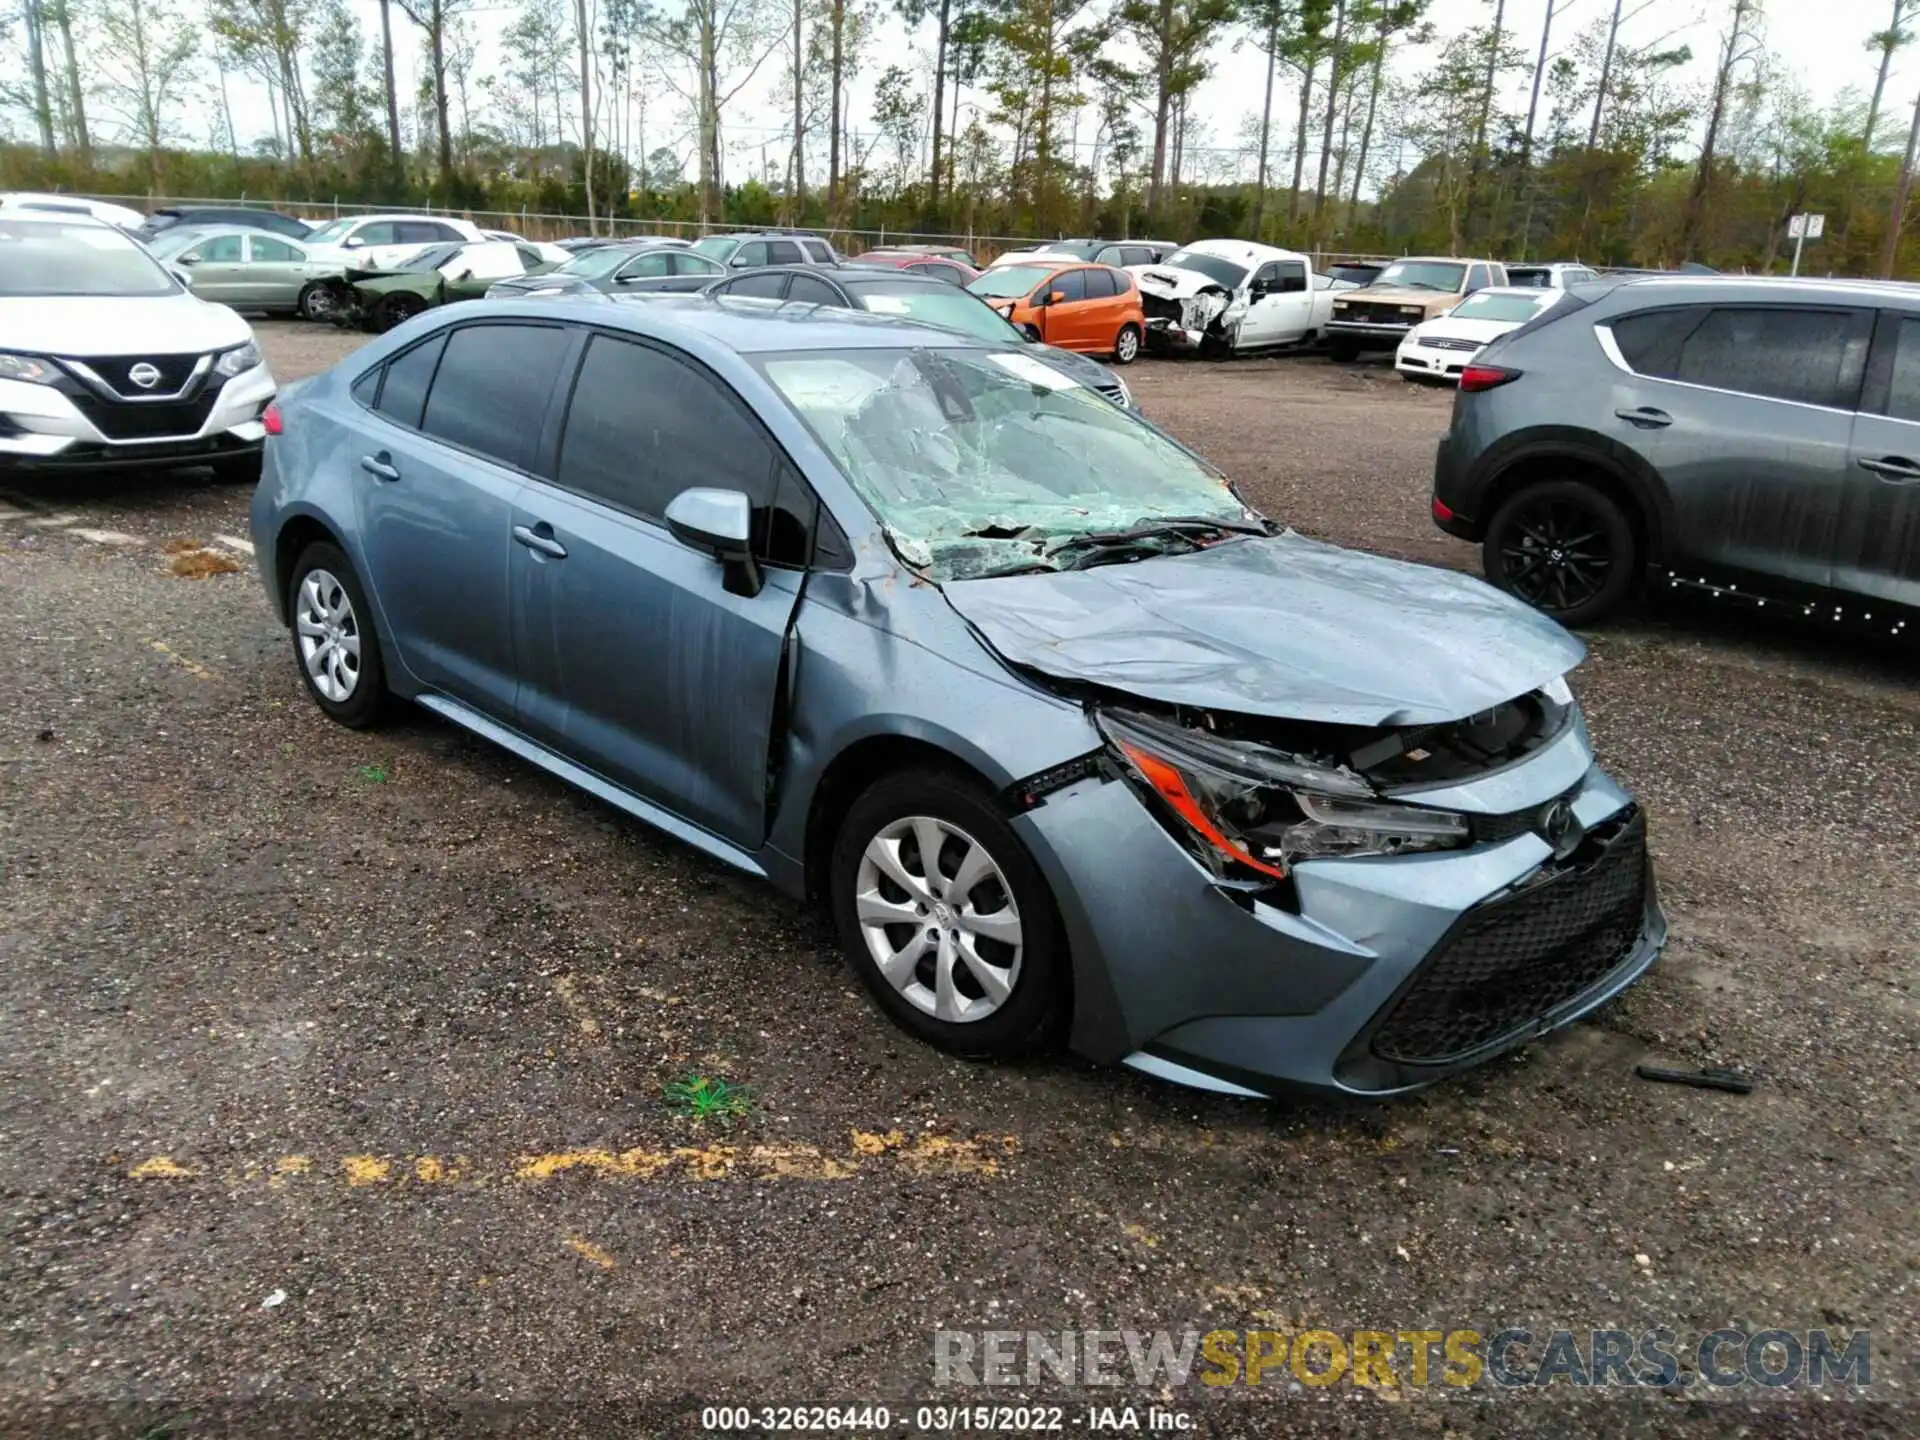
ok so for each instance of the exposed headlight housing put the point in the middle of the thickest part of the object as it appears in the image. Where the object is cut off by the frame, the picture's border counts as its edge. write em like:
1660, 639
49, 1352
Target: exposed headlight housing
29, 368
1250, 811
237, 360
1411, 310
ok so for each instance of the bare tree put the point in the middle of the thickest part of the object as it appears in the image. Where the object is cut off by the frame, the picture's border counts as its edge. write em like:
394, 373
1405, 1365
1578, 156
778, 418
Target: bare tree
1886, 42
1741, 44
146, 56
725, 42
1890, 248
433, 16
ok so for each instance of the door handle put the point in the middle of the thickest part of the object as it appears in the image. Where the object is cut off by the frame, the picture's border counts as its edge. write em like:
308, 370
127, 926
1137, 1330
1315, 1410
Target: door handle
539, 538
1646, 417
380, 466
1896, 468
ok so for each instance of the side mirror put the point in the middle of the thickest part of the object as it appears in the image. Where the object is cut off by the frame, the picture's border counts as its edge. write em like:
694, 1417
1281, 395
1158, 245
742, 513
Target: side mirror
463, 275
352, 242
1032, 332
718, 523
1258, 290
192, 257
1056, 297
737, 263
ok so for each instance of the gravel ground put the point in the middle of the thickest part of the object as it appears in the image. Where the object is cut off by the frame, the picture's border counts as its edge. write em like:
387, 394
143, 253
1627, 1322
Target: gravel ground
331, 1064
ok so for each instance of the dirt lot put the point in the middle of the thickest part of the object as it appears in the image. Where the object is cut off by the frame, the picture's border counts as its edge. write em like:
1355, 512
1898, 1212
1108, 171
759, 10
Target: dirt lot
331, 1064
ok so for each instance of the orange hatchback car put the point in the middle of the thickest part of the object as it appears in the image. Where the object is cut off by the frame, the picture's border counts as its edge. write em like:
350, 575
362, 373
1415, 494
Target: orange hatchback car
1094, 309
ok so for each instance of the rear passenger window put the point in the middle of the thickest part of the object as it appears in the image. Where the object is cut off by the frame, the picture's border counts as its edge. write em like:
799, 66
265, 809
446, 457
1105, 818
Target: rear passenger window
783, 252
1650, 341
408, 374
1099, 284
490, 392
1782, 354
367, 387
817, 251
769, 286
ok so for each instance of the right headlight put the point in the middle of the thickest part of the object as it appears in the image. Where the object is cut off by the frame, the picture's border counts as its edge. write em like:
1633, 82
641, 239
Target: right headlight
1254, 811
29, 368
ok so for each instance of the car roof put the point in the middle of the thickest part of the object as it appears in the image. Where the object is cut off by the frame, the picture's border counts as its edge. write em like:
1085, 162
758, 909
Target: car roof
1229, 249
55, 217
1741, 288
1530, 292
741, 325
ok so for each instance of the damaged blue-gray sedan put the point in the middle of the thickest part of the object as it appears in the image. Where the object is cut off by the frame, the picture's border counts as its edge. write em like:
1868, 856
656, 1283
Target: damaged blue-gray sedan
1074, 743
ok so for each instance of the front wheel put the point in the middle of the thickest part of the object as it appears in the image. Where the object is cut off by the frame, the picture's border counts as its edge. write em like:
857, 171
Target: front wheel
1126, 345
946, 919
334, 639
1563, 546
397, 309
1342, 352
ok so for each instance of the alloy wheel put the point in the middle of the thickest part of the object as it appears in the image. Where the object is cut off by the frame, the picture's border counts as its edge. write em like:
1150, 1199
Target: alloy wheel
939, 919
1556, 555
318, 302
1126, 347
329, 634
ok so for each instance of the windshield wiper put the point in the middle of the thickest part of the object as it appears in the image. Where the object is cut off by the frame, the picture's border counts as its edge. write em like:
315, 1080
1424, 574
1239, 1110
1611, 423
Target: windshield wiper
1167, 527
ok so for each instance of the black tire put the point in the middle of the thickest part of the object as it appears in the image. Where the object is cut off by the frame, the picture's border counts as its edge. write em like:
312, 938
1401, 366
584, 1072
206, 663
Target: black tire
367, 702
1565, 547
1029, 1019
1342, 352
396, 309
1126, 345
317, 302
238, 469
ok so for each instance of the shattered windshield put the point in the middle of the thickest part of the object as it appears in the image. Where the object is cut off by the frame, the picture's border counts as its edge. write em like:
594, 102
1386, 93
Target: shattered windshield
1216, 268
598, 262
982, 462
1423, 275
432, 258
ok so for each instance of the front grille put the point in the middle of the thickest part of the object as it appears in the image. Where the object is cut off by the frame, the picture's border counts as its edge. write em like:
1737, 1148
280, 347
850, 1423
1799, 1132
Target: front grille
1511, 961
1372, 314
1438, 342
1493, 829
145, 422
175, 371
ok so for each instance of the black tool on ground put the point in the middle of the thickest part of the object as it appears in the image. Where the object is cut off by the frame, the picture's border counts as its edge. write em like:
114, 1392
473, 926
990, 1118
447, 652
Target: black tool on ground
1732, 1081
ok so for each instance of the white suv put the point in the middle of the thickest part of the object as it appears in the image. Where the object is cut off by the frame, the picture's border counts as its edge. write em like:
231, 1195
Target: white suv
107, 361
373, 242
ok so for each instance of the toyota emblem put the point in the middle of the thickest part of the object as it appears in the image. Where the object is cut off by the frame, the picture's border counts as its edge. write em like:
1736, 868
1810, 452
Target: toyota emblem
144, 375
1561, 828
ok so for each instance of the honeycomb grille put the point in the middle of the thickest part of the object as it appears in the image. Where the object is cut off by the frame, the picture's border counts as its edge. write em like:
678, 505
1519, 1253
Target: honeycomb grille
1513, 960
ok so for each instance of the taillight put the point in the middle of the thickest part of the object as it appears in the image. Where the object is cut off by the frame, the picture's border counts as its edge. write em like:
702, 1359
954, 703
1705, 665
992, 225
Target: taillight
1486, 377
270, 418
1441, 510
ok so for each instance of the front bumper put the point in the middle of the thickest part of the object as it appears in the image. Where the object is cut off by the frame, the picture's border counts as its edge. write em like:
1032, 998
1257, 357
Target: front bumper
1369, 334
69, 427
1430, 362
1389, 974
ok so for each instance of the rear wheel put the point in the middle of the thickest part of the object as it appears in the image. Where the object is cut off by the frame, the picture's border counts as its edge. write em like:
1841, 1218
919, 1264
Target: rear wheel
334, 640
317, 301
946, 918
1563, 546
1126, 345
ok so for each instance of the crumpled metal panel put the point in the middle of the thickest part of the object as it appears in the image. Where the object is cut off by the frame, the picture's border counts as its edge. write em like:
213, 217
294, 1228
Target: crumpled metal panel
1283, 626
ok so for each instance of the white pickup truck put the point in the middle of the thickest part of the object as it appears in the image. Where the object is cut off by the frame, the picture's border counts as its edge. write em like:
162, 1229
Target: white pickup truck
1233, 296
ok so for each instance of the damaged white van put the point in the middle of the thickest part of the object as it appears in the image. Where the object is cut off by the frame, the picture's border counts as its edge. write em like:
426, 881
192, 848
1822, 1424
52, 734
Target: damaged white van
1230, 297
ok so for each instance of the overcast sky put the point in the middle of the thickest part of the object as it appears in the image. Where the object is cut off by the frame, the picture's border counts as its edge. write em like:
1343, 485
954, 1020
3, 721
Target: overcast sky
1822, 43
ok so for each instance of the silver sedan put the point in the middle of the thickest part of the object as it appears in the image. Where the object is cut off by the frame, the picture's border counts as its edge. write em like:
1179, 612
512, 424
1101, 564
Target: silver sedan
248, 269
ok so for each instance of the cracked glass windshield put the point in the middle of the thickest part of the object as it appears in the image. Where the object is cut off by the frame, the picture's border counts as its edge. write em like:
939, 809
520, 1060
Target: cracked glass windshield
989, 462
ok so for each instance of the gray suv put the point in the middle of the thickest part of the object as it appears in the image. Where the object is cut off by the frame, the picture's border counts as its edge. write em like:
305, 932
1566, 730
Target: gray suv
1758, 439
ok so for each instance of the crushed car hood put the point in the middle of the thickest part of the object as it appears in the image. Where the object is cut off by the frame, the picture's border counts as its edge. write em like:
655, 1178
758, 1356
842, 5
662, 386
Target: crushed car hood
1284, 627
1172, 282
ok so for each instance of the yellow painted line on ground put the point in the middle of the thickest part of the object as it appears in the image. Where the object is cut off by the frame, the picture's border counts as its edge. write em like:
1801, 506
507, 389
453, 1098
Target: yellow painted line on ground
198, 671
868, 1153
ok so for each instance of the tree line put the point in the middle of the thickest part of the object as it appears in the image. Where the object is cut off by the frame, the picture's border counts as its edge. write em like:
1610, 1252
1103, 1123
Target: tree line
1371, 132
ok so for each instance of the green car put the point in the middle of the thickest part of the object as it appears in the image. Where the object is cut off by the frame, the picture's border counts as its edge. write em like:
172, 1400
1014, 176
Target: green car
378, 300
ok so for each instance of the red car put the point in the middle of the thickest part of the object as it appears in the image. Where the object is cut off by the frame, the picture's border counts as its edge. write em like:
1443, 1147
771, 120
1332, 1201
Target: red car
922, 262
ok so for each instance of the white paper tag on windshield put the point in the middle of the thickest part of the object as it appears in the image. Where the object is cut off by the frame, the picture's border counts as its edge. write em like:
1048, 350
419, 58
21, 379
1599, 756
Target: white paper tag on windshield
1034, 372
885, 304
